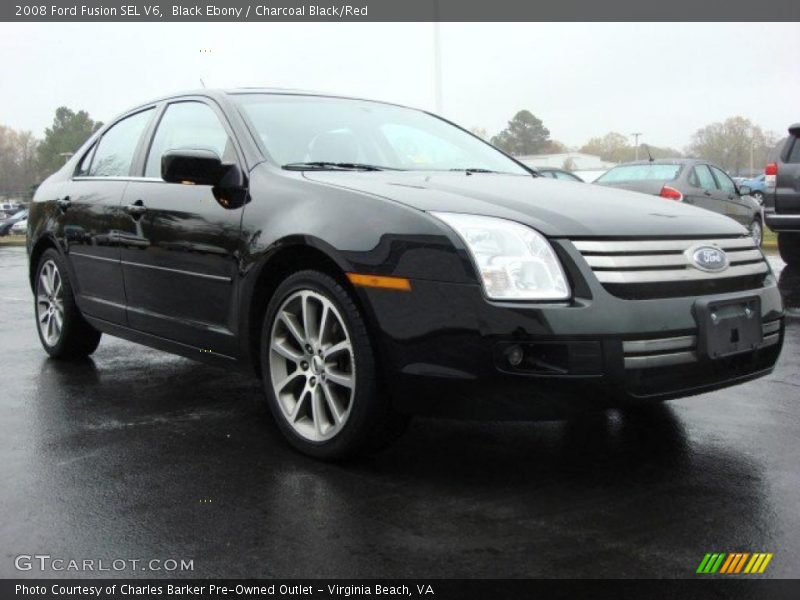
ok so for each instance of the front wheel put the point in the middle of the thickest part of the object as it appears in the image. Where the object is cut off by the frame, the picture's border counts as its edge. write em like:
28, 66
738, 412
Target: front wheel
63, 331
789, 248
319, 370
757, 231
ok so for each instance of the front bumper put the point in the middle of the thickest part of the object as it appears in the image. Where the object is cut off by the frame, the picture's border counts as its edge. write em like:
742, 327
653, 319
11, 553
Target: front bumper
445, 351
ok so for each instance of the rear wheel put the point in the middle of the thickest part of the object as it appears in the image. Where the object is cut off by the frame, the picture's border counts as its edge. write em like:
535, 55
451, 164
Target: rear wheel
789, 248
319, 370
63, 331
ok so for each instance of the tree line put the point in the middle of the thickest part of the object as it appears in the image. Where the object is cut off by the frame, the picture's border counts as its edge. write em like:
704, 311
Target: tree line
733, 144
25, 160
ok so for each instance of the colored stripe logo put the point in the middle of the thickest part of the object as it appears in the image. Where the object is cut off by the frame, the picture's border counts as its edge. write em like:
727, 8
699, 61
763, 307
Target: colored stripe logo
734, 562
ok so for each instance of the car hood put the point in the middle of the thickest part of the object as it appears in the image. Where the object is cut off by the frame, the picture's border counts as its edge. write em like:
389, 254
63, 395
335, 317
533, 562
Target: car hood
556, 208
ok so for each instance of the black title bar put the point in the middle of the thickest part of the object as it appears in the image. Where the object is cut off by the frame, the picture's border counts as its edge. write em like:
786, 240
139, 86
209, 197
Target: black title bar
398, 10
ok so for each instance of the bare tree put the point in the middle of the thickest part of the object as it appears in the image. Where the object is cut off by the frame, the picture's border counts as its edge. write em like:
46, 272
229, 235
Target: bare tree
736, 144
613, 147
18, 164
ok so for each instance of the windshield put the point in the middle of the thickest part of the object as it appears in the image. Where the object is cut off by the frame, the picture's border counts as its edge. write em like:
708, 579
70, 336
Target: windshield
356, 133
20, 214
643, 172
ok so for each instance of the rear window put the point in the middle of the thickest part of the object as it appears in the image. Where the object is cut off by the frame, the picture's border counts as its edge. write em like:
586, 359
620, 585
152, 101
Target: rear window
645, 172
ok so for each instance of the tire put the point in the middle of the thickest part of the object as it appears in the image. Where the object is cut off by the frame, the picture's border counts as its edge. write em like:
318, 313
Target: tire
63, 331
319, 371
789, 248
757, 231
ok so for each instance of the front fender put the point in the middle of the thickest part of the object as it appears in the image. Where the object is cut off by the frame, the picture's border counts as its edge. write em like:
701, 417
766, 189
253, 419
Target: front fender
360, 232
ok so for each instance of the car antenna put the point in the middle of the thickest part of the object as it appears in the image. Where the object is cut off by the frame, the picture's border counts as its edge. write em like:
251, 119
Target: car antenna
203, 83
650, 156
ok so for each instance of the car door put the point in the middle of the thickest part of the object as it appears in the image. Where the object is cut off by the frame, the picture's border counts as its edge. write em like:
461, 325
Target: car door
90, 213
703, 190
733, 204
179, 248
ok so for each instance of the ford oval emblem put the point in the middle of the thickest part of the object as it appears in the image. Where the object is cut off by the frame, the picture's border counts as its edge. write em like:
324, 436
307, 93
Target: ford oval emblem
709, 258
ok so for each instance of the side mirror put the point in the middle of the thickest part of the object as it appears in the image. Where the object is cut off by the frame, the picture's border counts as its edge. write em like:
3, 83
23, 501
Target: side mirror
193, 166
745, 190
204, 167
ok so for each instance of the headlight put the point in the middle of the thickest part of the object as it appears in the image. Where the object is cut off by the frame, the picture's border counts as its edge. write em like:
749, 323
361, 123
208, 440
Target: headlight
514, 262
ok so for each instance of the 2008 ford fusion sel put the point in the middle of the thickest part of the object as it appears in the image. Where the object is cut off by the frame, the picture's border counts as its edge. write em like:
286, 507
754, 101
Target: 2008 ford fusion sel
371, 262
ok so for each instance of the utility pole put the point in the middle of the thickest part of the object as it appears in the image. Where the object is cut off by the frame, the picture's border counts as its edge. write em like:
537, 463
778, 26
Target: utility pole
437, 58
636, 137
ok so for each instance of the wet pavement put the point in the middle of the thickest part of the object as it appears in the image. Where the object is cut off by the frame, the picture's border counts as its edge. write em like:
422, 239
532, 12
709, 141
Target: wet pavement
136, 454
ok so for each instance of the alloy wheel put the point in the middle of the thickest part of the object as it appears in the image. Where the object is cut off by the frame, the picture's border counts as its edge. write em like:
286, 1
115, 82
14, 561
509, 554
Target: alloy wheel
756, 232
50, 303
312, 367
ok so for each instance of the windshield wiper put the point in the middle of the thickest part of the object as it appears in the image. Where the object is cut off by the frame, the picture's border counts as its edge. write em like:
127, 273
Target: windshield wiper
323, 165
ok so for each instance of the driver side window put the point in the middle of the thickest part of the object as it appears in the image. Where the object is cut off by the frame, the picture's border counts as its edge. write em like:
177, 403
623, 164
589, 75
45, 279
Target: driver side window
703, 178
725, 183
188, 125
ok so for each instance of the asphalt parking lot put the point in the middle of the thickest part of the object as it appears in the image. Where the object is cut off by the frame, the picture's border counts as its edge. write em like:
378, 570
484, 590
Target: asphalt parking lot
137, 454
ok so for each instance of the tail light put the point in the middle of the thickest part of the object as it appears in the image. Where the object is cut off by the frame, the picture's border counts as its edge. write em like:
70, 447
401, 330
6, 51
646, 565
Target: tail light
670, 193
771, 172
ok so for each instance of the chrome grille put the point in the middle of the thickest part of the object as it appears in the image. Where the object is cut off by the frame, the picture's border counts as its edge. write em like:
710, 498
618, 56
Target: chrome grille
646, 354
661, 268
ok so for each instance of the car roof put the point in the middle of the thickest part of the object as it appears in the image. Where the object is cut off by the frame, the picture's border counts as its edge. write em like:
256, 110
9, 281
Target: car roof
220, 93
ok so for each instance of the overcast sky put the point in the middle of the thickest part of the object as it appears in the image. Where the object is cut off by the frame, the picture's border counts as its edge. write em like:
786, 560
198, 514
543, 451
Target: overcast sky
583, 80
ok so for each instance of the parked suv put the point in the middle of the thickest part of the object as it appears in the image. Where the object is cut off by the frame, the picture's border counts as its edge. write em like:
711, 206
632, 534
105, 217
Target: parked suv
783, 192
371, 261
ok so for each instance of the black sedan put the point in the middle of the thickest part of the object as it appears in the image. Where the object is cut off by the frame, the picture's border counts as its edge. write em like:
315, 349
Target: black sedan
370, 261
691, 181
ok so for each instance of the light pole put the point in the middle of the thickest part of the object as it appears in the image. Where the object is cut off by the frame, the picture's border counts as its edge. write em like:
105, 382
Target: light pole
636, 137
437, 58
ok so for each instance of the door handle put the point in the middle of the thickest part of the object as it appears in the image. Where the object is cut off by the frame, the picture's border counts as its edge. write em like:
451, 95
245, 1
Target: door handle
136, 210
707, 193
64, 203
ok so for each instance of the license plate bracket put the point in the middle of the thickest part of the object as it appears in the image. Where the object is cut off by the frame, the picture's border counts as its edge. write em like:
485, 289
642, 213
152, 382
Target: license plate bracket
728, 327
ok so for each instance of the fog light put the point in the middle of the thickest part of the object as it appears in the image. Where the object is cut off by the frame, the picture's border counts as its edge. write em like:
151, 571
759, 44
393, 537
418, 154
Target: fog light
515, 356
